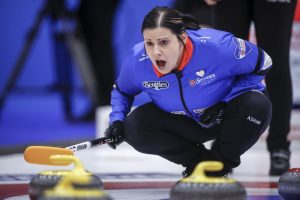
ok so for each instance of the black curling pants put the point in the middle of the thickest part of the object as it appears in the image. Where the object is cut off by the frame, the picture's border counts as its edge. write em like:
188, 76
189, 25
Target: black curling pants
273, 23
180, 139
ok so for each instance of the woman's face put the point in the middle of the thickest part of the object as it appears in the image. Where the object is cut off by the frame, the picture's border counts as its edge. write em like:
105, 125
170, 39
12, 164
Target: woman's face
163, 48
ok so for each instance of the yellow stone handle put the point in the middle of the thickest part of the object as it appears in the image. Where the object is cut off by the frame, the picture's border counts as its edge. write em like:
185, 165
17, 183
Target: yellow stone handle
65, 187
78, 175
78, 166
199, 176
41, 154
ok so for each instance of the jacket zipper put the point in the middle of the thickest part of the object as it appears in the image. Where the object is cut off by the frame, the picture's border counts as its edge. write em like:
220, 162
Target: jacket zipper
179, 76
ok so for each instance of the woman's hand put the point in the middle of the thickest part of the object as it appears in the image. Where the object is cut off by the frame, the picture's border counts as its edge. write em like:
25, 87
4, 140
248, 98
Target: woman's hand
115, 130
212, 115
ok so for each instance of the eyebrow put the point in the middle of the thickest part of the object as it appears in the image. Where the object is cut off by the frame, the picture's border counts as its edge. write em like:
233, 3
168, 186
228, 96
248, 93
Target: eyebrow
163, 38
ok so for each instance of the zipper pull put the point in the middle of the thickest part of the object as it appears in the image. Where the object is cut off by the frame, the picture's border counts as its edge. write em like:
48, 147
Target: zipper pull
178, 74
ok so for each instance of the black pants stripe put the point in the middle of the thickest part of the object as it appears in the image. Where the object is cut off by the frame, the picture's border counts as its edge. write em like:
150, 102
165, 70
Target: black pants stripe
273, 24
179, 139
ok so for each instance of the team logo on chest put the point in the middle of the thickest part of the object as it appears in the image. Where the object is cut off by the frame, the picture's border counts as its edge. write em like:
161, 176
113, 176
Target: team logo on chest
156, 85
202, 78
200, 73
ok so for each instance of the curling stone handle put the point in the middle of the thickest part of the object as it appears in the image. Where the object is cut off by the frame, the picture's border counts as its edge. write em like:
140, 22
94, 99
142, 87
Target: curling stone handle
199, 175
211, 166
59, 159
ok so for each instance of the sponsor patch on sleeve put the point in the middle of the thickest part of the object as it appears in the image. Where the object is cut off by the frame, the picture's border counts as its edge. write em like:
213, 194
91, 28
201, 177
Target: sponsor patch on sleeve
242, 48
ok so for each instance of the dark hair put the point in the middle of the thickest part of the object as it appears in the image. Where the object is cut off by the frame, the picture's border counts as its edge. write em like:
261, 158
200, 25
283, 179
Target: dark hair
169, 18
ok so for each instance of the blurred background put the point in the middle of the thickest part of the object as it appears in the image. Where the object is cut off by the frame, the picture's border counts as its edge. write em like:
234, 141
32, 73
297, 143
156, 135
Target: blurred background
57, 66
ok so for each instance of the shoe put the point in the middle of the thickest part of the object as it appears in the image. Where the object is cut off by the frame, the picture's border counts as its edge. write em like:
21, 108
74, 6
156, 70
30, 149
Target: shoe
280, 162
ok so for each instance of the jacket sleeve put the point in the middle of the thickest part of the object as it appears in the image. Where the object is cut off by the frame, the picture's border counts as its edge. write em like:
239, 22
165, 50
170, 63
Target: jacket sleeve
124, 90
245, 62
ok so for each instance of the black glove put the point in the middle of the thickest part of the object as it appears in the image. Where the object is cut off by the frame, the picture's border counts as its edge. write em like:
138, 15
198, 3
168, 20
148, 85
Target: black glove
212, 115
115, 130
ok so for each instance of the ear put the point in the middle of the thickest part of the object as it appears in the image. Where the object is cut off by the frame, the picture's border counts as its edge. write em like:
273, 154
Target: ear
183, 37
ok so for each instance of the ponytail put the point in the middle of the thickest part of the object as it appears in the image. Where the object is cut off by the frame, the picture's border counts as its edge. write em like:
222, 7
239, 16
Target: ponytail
190, 22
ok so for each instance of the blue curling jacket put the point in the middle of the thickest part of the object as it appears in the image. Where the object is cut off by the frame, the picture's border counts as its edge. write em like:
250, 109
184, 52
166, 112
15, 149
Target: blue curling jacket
221, 68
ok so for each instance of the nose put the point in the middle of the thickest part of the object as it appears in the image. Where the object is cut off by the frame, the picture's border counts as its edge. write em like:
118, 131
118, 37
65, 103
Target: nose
157, 50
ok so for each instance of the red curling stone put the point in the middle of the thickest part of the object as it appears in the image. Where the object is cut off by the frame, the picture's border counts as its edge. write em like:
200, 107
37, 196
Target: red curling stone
289, 184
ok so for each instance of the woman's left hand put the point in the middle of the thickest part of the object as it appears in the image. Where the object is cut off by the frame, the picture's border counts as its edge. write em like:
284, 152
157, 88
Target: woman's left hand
212, 115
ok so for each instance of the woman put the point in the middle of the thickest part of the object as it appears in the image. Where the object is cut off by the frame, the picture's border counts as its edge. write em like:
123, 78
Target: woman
204, 85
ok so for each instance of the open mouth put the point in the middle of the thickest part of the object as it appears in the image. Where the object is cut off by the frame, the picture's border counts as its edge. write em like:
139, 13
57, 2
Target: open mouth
160, 63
